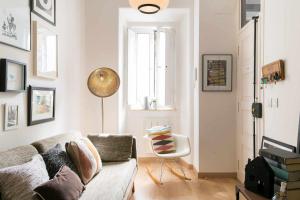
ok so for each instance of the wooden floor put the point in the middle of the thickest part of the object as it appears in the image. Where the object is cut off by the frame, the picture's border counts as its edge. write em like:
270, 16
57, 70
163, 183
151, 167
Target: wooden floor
177, 189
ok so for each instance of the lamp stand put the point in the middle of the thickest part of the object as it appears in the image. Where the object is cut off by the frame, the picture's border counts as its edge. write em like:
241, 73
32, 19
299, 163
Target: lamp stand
102, 116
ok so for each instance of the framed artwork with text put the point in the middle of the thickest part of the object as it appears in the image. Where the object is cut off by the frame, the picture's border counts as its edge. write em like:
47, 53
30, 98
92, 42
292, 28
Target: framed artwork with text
217, 73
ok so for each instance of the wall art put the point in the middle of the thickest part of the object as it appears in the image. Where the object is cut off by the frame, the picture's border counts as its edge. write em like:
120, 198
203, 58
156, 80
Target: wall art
12, 76
41, 105
11, 117
45, 52
217, 72
46, 9
15, 23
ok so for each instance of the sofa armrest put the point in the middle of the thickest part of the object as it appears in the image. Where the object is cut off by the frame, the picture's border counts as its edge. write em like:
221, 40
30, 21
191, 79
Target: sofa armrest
134, 151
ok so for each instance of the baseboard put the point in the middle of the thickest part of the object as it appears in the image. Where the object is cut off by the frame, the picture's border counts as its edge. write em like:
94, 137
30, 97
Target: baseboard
217, 175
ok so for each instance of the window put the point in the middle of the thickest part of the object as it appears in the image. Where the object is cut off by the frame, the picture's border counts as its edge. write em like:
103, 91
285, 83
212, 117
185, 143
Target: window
151, 67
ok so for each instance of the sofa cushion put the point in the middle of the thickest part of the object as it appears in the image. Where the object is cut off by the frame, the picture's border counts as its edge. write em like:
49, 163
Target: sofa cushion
95, 153
112, 182
17, 156
55, 158
44, 145
66, 185
18, 182
83, 159
113, 148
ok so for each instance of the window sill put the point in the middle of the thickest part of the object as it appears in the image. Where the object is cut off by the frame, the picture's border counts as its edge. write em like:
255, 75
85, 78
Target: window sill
163, 109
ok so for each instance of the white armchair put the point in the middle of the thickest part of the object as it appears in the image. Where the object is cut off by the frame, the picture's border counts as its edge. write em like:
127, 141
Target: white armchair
183, 149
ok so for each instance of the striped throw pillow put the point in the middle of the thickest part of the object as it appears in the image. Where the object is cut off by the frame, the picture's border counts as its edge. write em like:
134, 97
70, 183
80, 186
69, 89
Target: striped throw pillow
163, 142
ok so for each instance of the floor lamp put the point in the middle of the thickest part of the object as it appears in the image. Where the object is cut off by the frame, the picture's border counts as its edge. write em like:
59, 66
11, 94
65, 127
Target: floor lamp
103, 82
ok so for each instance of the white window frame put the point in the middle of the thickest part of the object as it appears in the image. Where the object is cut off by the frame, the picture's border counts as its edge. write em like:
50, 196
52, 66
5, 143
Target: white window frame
155, 30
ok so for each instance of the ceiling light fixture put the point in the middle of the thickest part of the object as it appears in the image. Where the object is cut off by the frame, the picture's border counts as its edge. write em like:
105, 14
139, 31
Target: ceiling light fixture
149, 6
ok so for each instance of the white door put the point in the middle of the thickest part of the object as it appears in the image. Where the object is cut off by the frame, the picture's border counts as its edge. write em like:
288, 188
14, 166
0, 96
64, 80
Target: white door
245, 72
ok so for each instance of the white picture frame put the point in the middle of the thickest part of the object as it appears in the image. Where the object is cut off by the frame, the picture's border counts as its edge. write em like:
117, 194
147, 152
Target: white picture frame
15, 24
11, 117
45, 52
217, 72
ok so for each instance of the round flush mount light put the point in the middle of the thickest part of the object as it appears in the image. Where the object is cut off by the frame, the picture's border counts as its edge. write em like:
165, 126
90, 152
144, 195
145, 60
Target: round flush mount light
149, 6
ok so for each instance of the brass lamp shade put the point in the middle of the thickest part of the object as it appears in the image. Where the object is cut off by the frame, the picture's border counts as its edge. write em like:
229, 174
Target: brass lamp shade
103, 82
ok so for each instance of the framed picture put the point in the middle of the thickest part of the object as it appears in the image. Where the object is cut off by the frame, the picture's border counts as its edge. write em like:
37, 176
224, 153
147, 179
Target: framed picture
15, 23
46, 9
12, 76
45, 52
41, 105
217, 72
249, 9
11, 117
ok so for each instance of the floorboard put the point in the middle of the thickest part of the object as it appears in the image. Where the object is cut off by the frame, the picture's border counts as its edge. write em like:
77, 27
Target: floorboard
176, 189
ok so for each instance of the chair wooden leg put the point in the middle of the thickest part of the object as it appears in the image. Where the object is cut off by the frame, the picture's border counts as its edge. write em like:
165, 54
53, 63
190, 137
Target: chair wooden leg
181, 176
155, 180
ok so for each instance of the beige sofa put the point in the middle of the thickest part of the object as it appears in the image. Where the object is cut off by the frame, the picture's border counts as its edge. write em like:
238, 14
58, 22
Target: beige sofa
114, 182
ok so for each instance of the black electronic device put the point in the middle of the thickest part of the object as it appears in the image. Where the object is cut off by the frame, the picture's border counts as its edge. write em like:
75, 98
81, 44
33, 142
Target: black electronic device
257, 110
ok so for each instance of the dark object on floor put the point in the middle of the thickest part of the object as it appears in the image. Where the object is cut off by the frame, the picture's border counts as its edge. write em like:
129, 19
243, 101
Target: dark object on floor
260, 177
240, 189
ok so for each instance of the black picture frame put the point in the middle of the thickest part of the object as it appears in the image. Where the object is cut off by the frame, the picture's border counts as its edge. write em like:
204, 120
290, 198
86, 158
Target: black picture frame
28, 49
4, 75
31, 121
33, 10
271, 143
205, 88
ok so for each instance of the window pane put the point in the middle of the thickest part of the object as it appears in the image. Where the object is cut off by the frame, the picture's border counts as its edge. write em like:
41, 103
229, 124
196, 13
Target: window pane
161, 69
151, 66
143, 60
132, 81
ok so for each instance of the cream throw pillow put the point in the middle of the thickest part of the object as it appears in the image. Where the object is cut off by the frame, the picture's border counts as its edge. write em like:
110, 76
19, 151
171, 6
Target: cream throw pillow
18, 182
83, 159
95, 153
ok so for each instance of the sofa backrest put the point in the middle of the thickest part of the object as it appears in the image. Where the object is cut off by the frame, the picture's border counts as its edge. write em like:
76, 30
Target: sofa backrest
44, 145
17, 156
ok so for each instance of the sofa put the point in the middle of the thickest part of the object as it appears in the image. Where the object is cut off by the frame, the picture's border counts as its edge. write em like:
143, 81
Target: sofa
114, 182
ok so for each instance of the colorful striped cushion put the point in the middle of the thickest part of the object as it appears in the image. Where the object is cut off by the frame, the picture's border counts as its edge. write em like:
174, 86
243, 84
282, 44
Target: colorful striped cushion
163, 142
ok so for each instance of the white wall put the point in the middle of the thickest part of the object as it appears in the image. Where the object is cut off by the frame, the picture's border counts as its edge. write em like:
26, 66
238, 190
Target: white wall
103, 41
218, 34
70, 30
102, 22
282, 41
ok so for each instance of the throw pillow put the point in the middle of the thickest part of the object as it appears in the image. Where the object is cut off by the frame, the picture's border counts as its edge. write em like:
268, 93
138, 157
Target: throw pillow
95, 153
162, 140
83, 159
113, 148
55, 158
18, 182
66, 185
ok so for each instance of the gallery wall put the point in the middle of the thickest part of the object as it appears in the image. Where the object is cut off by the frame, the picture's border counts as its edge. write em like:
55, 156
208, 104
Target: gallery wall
71, 47
281, 29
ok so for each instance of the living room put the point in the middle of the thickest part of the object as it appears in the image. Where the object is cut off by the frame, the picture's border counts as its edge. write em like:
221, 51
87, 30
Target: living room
215, 80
